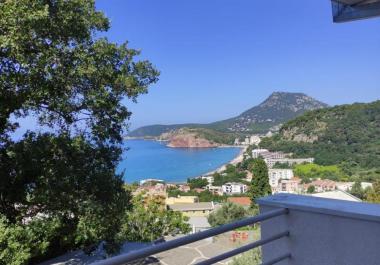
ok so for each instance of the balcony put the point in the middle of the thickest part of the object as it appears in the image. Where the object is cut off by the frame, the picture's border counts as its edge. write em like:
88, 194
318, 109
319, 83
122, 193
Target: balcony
296, 230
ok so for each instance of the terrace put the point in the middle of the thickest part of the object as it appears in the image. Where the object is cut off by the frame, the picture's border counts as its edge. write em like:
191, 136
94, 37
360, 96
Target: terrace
295, 230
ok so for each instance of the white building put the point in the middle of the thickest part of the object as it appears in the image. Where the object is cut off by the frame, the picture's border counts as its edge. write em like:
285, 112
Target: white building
275, 175
234, 188
290, 161
256, 153
210, 179
255, 139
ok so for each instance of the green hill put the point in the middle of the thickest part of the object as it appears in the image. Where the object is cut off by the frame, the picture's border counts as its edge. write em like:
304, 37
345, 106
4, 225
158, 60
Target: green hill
347, 135
278, 108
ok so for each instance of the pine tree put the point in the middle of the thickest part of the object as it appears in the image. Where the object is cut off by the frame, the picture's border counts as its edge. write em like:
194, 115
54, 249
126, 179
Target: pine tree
260, 182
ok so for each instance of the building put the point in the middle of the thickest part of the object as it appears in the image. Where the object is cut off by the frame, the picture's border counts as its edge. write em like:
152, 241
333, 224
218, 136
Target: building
193, 209
181, 200
289, 161
275, 175
234, 188
184, 187
288, 186
256, 153
215, 189
242, 201
321, 185
209, 178
255, 139
337, 195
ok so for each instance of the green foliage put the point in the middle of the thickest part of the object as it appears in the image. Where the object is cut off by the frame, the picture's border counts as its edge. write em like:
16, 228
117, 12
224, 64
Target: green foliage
373, 195
54, 69
150, 221
348, 136
228, 213
197, 183
231, 174
310, 189
252, 257
311, 171
260, 182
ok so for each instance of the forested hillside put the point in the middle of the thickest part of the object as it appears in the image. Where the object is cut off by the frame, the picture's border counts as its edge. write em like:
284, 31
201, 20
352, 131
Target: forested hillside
347, 135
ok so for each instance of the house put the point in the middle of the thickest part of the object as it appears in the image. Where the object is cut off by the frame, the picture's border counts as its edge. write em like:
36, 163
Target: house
181, 200
256, 153
254, 139
215, 189
275, 175
198, 190
242, 201
184, 187
234, 188
210, 179
193, 209
337, 195
321, 185
288, 186
270, 161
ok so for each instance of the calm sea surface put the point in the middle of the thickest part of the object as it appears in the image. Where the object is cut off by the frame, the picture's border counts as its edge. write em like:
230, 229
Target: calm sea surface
151, 159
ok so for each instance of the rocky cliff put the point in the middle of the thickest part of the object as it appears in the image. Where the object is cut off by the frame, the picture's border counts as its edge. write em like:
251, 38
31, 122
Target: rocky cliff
186, 138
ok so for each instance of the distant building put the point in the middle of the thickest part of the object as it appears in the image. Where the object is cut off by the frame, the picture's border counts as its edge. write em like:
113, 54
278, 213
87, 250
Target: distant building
337, 195
347, 186
193, 209
321, 185
242, 201
288, 186
290, 161
209, 178
275, 175
256, 153
181, 200
234, 188
184, 188
215, 189
255, 139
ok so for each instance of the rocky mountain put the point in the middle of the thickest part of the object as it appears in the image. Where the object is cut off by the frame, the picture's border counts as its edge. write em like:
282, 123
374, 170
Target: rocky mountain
278, 108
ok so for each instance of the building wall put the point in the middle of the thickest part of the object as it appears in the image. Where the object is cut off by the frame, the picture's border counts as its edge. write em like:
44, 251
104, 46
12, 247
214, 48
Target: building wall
181, 199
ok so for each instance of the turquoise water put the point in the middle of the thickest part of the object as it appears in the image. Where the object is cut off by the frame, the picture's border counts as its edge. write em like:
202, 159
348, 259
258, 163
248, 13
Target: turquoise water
151, 159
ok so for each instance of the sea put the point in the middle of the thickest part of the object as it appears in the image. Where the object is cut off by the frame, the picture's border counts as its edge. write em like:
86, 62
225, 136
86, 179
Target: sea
153, 159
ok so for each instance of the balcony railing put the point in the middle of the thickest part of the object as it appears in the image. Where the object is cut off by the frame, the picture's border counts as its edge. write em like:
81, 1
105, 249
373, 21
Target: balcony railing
148, 251
296, 230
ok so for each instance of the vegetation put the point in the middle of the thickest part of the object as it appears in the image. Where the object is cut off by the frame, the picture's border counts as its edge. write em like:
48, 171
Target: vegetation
231, 174
347, 136
252, 257
228, 213
308, 172
260, 182
197, 183
150, 220
58, 184
373, 195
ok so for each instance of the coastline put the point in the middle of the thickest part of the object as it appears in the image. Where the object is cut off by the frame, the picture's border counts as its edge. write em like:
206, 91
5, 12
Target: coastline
239, 158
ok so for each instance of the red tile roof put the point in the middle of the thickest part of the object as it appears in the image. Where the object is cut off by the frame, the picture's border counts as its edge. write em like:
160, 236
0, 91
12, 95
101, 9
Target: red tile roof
243, 201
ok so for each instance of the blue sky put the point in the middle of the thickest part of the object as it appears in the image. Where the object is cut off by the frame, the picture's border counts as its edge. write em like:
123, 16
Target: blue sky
220, 57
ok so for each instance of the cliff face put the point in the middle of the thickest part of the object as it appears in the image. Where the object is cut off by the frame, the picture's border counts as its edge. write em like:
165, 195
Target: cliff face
184, 138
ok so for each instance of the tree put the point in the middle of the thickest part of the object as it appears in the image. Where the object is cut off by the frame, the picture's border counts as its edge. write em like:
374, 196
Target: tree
357, 190
310, 189
373, 195
252, 257
228, 213
260, 182
151, 220
197, 183
55, 69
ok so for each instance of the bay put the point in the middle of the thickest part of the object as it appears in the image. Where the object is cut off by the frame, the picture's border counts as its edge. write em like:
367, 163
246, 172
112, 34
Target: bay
151, 159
